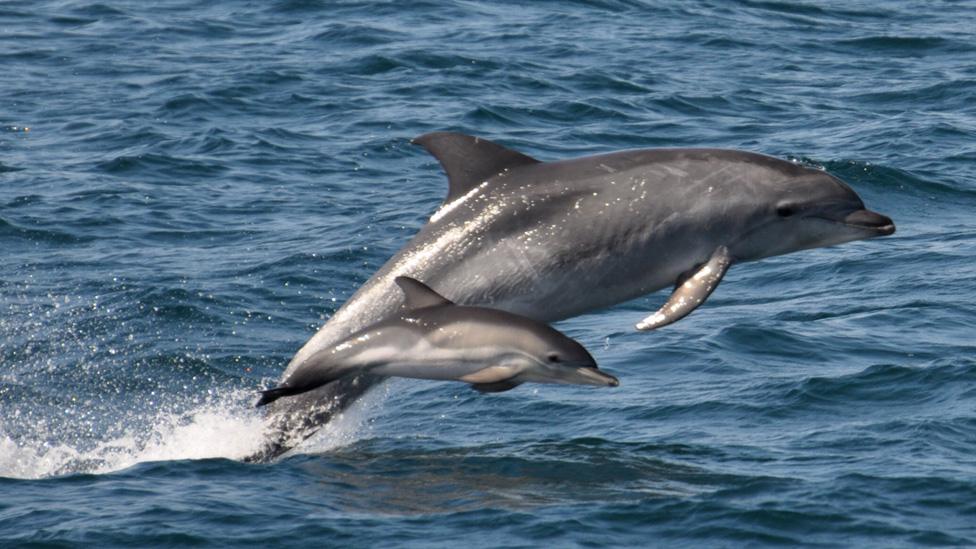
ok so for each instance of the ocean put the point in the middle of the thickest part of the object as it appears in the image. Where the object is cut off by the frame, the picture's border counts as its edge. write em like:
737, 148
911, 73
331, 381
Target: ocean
189, 190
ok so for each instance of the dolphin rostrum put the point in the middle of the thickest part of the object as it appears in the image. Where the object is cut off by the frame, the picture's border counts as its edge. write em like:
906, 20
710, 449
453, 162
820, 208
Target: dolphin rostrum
550, 240
432, 338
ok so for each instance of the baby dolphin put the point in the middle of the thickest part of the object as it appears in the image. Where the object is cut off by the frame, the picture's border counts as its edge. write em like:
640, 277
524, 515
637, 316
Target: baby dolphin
432, 338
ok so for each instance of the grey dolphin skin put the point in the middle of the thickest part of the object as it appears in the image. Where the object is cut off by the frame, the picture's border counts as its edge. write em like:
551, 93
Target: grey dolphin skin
550, 240
432, 338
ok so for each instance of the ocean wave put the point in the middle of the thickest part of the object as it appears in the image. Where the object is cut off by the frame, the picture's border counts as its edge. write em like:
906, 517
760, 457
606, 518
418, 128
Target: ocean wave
49, 236
905, 45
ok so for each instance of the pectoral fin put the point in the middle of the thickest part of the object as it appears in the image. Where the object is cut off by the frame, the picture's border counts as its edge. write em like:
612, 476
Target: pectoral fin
493, 379
499, 387
491, 374
690, 292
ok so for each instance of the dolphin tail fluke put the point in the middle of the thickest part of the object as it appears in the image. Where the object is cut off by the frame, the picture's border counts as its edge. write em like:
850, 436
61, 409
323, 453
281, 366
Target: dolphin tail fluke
272, 395
294, 419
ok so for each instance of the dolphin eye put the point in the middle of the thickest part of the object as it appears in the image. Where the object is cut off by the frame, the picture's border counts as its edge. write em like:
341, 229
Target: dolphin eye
553, 357
785, 210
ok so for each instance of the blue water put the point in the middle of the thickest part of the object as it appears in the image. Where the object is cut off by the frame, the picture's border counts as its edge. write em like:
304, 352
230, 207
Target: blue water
189, 190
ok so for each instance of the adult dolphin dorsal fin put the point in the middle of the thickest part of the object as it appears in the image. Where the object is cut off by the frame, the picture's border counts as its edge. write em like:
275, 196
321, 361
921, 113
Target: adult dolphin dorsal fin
691, 291
418, 295
468, 160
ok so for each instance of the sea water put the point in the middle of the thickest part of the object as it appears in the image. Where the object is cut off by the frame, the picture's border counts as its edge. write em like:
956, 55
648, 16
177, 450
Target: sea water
189, 190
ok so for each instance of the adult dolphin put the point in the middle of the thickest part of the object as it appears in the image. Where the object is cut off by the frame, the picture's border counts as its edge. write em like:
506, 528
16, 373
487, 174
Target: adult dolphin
549, 240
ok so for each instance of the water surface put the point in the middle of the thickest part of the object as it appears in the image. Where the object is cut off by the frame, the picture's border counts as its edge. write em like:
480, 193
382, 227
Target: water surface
188, 192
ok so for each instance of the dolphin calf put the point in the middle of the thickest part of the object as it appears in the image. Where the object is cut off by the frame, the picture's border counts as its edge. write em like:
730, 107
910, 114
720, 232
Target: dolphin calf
550, 240
432, 338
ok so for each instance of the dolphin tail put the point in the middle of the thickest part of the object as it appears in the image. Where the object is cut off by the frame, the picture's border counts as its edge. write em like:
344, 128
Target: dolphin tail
274, 394
295, 419
307, 376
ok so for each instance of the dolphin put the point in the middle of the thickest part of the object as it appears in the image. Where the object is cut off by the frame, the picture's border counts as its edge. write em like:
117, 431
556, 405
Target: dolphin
432, 338
550, 240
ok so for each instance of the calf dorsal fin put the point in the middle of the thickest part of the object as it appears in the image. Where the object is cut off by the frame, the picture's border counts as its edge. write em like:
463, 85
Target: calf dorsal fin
418, 295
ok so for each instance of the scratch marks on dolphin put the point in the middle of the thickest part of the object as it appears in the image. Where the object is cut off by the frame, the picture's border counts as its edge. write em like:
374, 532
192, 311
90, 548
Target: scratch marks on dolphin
451, 240
448, 208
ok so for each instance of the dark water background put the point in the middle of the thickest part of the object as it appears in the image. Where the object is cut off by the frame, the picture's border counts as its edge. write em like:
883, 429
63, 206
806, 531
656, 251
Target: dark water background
188, 190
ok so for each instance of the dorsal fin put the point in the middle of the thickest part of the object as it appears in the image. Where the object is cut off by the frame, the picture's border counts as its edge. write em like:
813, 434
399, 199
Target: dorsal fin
419, 295
469, 160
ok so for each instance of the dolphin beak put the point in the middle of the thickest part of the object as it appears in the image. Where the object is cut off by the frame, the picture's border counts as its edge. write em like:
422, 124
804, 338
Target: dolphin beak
592, 376
881, 225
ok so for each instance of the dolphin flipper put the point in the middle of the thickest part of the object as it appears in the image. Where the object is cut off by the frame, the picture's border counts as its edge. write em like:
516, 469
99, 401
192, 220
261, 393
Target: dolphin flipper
493, 379
691, 292
498, 387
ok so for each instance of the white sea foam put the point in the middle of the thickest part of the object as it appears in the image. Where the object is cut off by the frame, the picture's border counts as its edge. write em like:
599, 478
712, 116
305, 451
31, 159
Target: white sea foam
225, 426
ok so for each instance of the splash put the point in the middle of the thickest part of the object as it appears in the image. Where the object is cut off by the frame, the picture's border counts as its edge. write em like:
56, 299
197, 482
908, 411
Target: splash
81, 394
220, 427
225, 426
